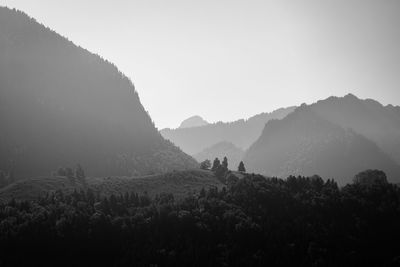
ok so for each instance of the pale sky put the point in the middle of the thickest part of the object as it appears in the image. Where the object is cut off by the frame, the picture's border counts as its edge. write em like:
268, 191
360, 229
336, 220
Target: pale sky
226, 60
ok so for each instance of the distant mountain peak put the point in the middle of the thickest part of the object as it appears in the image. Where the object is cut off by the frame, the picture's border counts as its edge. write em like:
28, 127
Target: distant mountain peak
242, 133
194, 121
351, 96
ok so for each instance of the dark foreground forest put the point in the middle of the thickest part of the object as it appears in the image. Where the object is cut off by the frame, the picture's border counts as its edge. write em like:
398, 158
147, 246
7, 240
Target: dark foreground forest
254, 221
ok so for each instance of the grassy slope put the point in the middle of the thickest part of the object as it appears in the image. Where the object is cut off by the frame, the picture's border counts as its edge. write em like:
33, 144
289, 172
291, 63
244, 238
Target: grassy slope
179, 183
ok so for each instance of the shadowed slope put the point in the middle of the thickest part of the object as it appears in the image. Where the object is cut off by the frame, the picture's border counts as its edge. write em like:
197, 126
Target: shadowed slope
60, 105
380, 124
303, 143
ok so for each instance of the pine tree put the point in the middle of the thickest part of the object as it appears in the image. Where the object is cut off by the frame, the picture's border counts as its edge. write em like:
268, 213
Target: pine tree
241, 167
225, 163
216, 164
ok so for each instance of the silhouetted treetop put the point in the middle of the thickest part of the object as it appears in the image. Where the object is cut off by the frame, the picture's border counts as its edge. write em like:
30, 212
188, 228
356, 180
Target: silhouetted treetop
370, 177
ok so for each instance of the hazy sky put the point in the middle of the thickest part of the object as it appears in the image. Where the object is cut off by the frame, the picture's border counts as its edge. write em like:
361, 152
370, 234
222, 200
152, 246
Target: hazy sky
225, 60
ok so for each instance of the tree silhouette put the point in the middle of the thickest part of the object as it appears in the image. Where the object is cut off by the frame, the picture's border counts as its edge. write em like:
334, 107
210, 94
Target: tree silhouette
205, 165
216, 164
225, 163
241, 167
370, 177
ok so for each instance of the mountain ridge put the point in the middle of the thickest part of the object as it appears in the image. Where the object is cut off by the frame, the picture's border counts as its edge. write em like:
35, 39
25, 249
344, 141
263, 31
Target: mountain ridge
193, 121
307, 143
242, 133
61, 105
220, 150
368, 117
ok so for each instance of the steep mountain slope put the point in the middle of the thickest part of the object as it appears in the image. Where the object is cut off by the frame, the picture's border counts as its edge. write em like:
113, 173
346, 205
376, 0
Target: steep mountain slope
60, 105
194, 121
242, 133
369, 118
180, 184
303, 143
220, 150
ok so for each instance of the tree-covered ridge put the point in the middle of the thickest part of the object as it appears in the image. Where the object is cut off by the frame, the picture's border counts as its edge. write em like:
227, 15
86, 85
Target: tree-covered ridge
306, 143
254, 221
61, 104
378, 123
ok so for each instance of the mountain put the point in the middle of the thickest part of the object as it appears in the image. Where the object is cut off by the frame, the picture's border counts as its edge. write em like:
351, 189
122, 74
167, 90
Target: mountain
220, 150
242, 133
194, 121
179, 183
380, 124
61, 105
304, 143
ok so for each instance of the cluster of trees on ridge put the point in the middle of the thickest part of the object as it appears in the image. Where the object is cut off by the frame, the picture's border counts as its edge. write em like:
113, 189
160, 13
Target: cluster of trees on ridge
206, 165
254, 221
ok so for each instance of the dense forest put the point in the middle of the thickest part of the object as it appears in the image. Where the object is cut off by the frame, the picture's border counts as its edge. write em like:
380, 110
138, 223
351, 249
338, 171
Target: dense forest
254, 221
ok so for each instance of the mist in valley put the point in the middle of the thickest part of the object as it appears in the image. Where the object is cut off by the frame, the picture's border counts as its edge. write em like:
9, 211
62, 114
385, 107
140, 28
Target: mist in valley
257, 133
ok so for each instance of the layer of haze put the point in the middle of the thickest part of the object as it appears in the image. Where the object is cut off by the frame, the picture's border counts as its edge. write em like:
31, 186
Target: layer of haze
226, 60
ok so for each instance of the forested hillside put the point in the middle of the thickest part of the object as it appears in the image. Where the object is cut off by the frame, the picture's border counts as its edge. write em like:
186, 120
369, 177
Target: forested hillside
62, 105
304, 143
380, 124
254, 222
